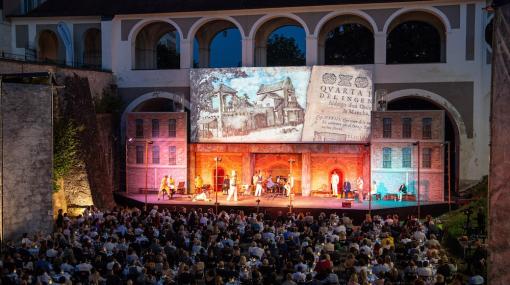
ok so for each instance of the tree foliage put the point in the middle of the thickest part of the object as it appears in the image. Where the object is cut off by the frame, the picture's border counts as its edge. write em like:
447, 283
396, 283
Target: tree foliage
349, 44
413, 42
284, 51
65, 149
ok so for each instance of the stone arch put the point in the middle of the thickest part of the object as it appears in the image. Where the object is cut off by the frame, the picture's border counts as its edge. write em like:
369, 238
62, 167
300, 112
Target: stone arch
420, 18
206, 30
453, 118
430, 10
48, 46
92, 48
146, 97
360, 14
160, 27
265, 26
335, 19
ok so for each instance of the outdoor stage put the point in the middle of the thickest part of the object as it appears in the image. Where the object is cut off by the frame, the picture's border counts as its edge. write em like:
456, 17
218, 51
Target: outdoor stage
299, 204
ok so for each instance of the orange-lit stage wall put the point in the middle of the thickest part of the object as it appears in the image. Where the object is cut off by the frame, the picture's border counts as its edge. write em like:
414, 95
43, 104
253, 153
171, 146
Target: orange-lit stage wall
312, 168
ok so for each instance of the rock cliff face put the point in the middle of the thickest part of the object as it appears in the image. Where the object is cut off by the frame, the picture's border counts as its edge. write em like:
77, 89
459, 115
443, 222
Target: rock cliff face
90, 182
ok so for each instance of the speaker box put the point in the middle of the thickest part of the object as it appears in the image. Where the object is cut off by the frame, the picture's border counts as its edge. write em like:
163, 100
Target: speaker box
346, 204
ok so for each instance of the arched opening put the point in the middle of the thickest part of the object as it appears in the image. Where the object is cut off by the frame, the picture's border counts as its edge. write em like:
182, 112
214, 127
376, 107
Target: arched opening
340, 184
48, 46
217, 44
280, 42
346, 40
416, 37
92, 48
219, 178
157, 46
451, 135
158, 105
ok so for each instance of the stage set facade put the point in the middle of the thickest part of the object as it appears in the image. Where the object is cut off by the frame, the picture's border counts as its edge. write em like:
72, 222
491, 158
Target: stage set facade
427, 116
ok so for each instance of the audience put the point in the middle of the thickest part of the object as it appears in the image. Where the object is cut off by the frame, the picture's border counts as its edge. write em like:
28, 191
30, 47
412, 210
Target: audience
180, 246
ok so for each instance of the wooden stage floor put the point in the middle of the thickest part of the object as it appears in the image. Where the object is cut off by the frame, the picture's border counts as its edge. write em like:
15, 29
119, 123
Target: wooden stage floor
272, 205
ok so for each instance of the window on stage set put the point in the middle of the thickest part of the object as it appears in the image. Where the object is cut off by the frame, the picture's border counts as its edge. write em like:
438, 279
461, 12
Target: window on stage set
155, 128
155, 154
139, 128
386, 157
427, 128
427, 157
139, 154
406, 128
406, 157
172, 128
386, 128
172, 155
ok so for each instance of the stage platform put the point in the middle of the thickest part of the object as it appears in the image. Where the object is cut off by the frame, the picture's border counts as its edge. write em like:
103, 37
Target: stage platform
271, 205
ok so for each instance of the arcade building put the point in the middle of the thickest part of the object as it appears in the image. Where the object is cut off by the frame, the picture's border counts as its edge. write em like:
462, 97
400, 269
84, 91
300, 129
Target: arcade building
430, 132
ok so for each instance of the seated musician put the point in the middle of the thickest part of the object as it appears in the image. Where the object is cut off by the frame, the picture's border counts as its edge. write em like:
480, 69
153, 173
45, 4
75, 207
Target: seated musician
402, 190
171, 184
270, 184
163, 188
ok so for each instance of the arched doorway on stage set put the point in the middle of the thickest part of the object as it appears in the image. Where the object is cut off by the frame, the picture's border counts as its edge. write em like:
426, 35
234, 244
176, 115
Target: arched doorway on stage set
340, 181
451, 135
219, 178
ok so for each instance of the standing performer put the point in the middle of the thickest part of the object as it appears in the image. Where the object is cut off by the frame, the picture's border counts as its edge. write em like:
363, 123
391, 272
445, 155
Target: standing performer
401, 190
258, 185
359, 185
347, 189
289, 185
198, 183
163, 188
171, 184
226, 185
335, 179
232, 190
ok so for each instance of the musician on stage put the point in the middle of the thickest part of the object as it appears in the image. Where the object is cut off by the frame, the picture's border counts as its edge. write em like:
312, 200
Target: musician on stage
289, 185
347, 189
335, 179
270, 184
232, 190
402, 190
164, 188
258, 184
171, 184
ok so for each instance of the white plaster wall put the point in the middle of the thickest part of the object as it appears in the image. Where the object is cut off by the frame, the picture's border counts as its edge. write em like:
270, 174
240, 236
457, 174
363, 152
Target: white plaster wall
118, 56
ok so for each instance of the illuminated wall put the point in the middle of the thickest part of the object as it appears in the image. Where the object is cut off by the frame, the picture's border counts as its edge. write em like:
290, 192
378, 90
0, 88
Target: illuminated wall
169, 164
311, 169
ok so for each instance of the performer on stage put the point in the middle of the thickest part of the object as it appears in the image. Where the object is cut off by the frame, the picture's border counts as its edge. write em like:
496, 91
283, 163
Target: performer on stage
270, 184
335, 179
226, 185
258, 184
198, 183
402, 190
164, 188
171, 184
289, 185
359, 185
347, 189
232, 190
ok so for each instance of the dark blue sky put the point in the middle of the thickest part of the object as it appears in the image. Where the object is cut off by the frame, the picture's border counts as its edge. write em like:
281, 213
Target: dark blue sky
226, 46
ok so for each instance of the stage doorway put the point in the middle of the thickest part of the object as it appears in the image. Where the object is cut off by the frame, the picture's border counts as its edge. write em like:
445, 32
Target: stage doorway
340, 180
219, 179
